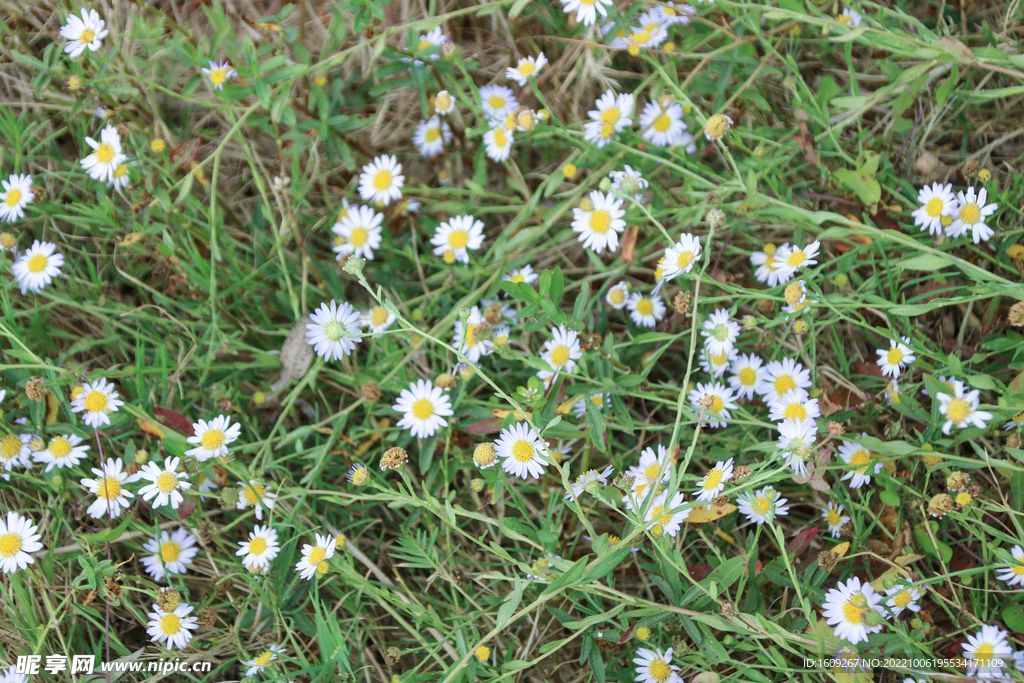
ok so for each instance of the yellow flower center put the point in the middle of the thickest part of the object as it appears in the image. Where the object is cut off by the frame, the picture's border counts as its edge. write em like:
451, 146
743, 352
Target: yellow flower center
482, 653
423, 44
984, 653
359, 237
422, 409
522, 450
796, 258
526, 68
382, 180
169, 551
784, 384
87, 36
360, 476
644, 307
902, 599
617, 296
651, 472
458, 239
10, 446
796, 411
860, 457
958, 409
717, 403
611, 115
104, 153
254, 493
37, 263
833, 517
970, 213
213, 439
13, 197
378, 316
443, 102
217, 76
607, 131
60, 446
894, 356
120, 171
587, 2
167, 482
10, 545
719, 359
264, 657
518, 277
317, 555
853, 613
600, 221
748, 376
109, 489
684, 260
1018, 570
170, 624
496, 102
560, 356
449, 256
794, 293
763, 504
257, 546
659, 670
499, 137
663, 123
713, 479
934, 207
597, 400
432, 134
323, 568
717, 126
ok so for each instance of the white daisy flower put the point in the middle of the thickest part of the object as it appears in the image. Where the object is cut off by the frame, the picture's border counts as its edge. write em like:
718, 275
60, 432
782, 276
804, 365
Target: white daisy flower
971, 214
936, 201
611, 115
36, 268
165, 485
649, 34
903, 596
1015, 422
891, 361
313, 555
109, 489
213, 438
560, 352
783, 376
172, 628
763, 506
435, 38
588, 478
498, 142
661, 513
255, 495
849, 17
260, 548
19, 538
423, 407
444, 103
15, 451
629, 184
377, 319
847, 608
524, 274
681, 257
645, 476
432, 136
61, 451
987, 652
748, 374
719, 332
381, 180
579, 409
360, 231
961, 409
87, 32
716, 364
644, 310
525, 68
456, 236
617, 295
599, 225
219, 73
653, 666
796, 439
472, 347
859, 457
497, 100
171, 554
11, 675
120, 178
834, 518
721, 402
96, 401
796, 297
106, 155
258, 663
333, 334
662, 125
769, 270
586, 10
522, 451
501, 335
712, 483
671, 14
793, 406
16, 196
793, 258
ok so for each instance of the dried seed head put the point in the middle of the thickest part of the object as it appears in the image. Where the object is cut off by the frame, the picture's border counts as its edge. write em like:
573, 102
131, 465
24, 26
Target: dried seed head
727, 609
207, 617
132, 468
970, 168
846, 529
957, 481
974, 489
721, 501
827, 561
370, 392
706, 401
794, 293
940, 505
36, 389
122, 130
392, 655
228, 496
169, 599
394, 458
445, 381
224, 405
766, 306
715, 216
717, 126
1014, 441
681, 302
1016, 314
739, 473
191, 465
835, 429
765, 338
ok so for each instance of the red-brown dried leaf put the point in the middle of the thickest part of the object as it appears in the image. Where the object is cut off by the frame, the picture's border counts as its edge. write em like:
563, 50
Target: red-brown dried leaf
175, 421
